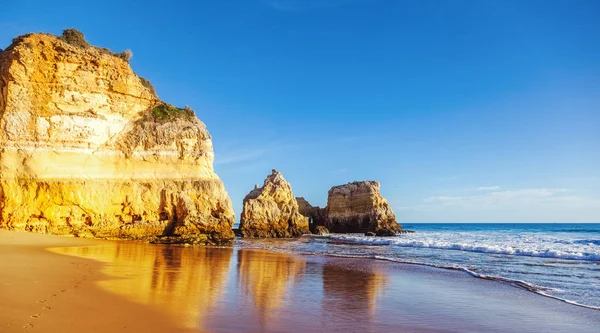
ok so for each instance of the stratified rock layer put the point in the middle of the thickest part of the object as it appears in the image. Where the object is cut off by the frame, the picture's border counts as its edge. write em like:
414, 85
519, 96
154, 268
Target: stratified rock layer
272, 210
359, 207
83, 153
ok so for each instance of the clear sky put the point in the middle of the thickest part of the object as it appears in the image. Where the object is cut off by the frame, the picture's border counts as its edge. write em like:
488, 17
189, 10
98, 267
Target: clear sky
465, 111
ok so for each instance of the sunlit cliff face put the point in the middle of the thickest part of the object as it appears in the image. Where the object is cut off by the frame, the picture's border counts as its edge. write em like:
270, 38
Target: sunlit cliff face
82, 153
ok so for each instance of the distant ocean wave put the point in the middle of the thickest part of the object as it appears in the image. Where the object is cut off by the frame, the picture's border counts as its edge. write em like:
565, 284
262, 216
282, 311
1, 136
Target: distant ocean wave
522, 249
596, 231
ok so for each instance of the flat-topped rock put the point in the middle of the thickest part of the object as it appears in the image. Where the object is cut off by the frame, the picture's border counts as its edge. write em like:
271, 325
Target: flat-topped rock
358, 207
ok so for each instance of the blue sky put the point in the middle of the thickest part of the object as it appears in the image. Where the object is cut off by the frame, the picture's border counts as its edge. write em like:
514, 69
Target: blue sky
465, 111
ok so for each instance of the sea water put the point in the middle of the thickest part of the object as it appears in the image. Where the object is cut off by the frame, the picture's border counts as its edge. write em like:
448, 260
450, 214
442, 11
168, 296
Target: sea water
555, 259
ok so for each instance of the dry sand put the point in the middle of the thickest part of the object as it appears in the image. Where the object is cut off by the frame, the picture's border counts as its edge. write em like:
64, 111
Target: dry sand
41, 291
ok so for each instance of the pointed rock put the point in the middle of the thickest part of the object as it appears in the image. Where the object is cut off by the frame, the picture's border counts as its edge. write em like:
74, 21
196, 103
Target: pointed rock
272, 210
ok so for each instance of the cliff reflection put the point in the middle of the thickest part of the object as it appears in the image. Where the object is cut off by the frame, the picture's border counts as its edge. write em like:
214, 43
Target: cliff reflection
350, 295
266, 276
183, 282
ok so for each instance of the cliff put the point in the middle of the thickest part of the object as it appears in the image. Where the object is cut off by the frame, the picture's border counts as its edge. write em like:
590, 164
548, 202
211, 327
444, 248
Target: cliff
359, 207
272, 210
87, 148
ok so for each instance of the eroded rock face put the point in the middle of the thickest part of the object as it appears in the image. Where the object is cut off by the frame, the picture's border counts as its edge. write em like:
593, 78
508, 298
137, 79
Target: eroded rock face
359, 207
83, 151
317, 216
272, 210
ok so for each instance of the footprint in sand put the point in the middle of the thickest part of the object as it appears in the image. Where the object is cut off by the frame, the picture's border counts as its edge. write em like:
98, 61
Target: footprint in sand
46, 307
37, 315
41, 301
28, 326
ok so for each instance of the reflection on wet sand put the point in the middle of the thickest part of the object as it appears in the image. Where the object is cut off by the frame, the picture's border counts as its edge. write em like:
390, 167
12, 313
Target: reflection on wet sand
266, 276
272, 290
184, 282
350, 295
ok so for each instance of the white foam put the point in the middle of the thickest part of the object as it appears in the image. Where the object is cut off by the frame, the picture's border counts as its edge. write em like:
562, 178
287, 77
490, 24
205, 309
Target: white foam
503, 244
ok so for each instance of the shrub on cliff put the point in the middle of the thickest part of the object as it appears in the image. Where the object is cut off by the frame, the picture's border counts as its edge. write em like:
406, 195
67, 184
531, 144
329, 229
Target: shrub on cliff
167, 112
125, 55
74, 37
146, 83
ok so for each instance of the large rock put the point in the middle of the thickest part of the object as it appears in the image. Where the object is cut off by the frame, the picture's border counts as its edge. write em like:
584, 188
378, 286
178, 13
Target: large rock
317, 216
358, 207
88, 149
272, 210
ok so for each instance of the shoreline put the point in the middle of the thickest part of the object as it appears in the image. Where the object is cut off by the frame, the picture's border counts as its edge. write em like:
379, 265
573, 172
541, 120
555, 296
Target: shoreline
261, 290
523, 285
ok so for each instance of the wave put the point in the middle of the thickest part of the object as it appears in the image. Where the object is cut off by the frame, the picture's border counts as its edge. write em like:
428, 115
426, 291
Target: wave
577, 230
563, 253
587, 241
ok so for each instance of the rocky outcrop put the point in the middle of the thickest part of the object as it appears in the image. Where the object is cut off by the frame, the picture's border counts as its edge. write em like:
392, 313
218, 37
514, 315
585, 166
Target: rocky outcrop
356, 207
359, 207
272, 210
321, 230
317, 216
88, 149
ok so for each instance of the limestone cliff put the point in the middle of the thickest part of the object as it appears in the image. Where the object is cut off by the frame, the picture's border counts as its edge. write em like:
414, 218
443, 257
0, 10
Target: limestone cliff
272, 210
87, 148
359, 207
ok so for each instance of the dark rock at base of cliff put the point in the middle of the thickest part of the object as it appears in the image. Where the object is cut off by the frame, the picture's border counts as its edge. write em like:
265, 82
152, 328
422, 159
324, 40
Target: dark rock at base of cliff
385, 233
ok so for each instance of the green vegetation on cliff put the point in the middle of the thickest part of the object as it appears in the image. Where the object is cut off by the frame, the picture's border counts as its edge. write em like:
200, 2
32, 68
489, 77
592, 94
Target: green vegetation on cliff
167, 112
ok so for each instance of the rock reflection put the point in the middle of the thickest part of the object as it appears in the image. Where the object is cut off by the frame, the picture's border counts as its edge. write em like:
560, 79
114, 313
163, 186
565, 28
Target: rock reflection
350, 295
266, 276
184, 282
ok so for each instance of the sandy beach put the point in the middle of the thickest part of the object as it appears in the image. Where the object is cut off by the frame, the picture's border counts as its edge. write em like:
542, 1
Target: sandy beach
45, 292
62, 284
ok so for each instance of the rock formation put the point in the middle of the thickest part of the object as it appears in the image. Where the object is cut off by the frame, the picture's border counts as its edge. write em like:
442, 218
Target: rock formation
321, 230
317, 216
359, 207
356, 207
87, 148
272, 210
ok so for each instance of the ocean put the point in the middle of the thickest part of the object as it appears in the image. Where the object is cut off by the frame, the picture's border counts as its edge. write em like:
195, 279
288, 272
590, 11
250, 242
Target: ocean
558, 260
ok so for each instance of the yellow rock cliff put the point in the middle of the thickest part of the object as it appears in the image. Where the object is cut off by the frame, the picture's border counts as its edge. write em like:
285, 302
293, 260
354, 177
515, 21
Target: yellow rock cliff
86, 148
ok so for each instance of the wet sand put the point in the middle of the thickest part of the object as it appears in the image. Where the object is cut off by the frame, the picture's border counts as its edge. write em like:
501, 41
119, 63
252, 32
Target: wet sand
61, 284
